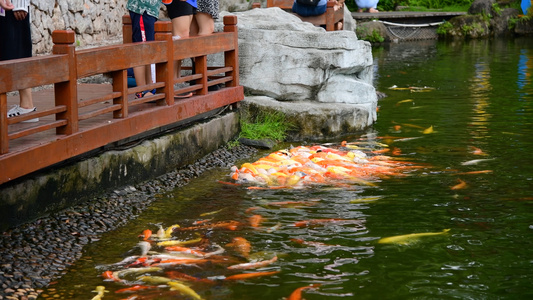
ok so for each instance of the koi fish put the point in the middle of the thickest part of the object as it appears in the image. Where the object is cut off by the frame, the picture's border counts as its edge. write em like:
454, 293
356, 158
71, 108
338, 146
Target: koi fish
183, 289
310, 243
405, 101
231, 225
477, 151
135, 272
110, 275
253, 265
250, 275
241, 245
211, 212
255, 220
135, 288
144, 246
475, 161
146, 234
297, 293
179, 242
365, 199
179, 275
155, 280
407, 239
475, 172
100, 290
428, 130
459, 186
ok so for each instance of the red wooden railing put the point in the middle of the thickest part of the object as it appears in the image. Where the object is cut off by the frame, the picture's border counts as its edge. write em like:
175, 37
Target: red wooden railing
82, 123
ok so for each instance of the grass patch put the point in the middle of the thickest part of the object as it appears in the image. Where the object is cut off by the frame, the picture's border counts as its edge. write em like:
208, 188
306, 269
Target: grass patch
264, 125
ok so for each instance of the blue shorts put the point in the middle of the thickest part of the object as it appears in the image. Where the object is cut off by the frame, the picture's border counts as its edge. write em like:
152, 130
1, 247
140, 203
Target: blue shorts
142, 24
307, 11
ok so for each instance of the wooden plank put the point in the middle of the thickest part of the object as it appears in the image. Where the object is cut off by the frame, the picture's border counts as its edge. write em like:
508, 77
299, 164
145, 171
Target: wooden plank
118, 57
33, 71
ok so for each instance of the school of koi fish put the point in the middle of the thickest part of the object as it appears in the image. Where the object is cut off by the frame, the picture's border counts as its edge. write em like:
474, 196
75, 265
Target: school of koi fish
170, 259
319, 165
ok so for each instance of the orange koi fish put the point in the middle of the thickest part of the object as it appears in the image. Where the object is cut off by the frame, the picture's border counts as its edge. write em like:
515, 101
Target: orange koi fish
179, 275
253, 265
147, 233
460, 185
180, 261
110, 275
231, 225
255, 220
475, 172
241, 245
186, 250
135, 288
297, 294
250, 275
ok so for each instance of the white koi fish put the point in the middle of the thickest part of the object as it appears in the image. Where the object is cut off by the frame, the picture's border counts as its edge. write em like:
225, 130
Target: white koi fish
475, 161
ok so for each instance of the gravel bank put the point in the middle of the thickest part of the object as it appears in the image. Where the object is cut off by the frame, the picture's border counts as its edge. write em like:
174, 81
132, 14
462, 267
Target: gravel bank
34, 254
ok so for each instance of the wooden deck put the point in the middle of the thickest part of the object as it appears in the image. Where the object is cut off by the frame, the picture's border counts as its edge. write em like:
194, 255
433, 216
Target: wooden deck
78, 118
406, 17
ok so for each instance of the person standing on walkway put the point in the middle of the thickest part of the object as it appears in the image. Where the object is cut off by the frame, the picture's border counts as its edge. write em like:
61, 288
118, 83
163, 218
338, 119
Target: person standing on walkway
370, 5
143, 14
181, 13
15, 42
203, 22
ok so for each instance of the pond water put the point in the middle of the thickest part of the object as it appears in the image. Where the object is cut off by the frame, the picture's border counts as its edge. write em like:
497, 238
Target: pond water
474, 100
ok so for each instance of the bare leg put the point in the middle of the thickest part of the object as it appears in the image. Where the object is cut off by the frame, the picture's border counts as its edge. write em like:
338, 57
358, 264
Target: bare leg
203, 24
373, 10
26, 100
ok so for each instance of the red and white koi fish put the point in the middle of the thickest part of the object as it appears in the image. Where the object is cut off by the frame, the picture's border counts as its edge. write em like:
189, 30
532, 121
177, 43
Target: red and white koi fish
173, 274
254, 265
311, 243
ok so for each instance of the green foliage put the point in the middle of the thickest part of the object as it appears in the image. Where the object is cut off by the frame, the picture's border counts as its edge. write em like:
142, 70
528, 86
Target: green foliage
265, 125
374, 37
496, 8
444, 28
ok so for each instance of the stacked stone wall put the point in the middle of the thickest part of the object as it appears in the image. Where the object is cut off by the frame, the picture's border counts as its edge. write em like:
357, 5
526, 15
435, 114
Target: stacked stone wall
95, 22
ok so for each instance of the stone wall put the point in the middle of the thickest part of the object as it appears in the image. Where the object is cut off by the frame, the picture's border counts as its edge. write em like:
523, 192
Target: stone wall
96, 22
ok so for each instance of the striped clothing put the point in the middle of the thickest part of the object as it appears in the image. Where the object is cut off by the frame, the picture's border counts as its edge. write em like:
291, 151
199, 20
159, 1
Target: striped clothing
21, 5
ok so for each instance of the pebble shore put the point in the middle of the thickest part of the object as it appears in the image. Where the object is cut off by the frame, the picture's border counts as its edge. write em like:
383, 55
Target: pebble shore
34, 254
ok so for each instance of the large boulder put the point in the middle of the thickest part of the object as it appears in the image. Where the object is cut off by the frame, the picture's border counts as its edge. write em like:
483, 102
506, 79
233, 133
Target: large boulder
293, 61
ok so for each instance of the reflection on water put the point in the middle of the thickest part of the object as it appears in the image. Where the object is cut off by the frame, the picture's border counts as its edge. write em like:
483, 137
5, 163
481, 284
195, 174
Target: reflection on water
477, 182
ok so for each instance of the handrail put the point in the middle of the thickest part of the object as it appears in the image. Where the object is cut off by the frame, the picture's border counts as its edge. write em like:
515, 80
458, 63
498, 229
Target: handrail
66, 65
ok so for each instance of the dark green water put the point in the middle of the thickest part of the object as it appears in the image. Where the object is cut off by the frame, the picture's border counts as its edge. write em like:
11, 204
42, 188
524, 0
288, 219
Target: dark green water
482, 99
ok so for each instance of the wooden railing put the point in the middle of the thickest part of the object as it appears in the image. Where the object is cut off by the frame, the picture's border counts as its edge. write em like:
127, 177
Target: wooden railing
80, 124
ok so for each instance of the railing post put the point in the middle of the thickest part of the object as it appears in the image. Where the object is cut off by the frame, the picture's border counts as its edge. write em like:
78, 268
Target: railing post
4, 136
126, 29
231, 58
164, 72
66, 93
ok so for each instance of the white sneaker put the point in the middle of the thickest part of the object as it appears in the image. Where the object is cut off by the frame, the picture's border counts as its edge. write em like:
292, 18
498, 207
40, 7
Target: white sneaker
17, 111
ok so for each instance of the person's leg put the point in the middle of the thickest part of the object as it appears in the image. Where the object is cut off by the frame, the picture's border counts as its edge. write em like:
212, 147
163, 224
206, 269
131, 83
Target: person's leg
204, 23
26, 100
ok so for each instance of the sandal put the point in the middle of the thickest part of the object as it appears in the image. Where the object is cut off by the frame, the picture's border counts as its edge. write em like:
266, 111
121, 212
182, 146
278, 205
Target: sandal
184, 95
143, 93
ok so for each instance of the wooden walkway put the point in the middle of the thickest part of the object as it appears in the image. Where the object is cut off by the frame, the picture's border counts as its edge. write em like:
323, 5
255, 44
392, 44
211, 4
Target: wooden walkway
406, 17
78, 118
